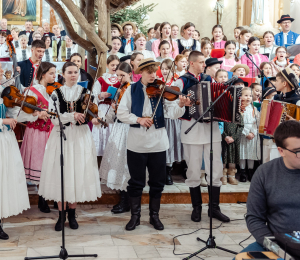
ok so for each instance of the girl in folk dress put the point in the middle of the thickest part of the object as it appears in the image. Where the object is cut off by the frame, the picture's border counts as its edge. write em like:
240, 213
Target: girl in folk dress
230, 59
237, 32
150, 33
135, 59
186, 42
116, 45
254, 45
165, 35
114, 169
243, 42
164, 51
181, 64
269, 47
206, 47
280, 62
175, 31
140, 46
217, 40
37, 133
173, 126
81, 174
250, 141
256, 92
100, 90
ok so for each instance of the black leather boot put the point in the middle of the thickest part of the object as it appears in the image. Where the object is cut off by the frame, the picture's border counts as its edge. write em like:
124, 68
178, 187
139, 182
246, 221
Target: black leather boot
3, 235
55, 205
43, 205
169, 180
123, 205
135, 206
250, 174
184, 168
117, 205
72, 219
197, 203
154, 206
58, 226
243, 175
216, 212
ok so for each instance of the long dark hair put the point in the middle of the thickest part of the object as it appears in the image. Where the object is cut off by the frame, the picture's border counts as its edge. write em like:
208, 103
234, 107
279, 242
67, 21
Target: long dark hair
170, 38
215, 27
68, 64
228, 43
43, 69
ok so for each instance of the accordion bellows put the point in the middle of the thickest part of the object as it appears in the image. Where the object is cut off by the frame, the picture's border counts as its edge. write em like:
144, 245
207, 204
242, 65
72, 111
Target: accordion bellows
273, 113
227, 108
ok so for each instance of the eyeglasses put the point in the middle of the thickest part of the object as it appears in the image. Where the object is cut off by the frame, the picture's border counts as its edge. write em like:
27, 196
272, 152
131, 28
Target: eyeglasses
297, 153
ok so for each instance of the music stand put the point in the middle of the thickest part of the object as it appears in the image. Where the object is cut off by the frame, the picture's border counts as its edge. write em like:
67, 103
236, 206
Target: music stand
210, 243
63, 252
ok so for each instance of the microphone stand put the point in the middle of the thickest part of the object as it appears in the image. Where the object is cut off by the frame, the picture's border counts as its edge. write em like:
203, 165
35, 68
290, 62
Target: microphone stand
210, 243
261, 72
63, 252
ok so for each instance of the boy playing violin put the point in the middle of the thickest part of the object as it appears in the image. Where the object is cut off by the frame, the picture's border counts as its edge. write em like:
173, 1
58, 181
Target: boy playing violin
147, 141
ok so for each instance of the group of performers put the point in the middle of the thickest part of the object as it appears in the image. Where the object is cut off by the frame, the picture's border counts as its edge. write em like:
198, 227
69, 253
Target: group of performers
145, 133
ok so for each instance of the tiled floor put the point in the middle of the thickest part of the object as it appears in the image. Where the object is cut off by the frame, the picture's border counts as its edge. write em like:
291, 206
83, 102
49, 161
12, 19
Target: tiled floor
100, 232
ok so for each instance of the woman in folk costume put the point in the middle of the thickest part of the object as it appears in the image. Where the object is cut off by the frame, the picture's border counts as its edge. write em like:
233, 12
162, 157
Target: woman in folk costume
230, 59
114, 169
48, 56
269, 47
37, 133
186, 42
23, 52
254, 45
4, 52
218, 34
242, 43
80, 162
280, 62
14, 194
101, 85
140, 46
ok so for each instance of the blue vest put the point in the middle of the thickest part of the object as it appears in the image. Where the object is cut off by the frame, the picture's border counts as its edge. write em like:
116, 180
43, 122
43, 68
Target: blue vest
189, 82
122, 49
291, 38
26, 72
3, 110
137, 105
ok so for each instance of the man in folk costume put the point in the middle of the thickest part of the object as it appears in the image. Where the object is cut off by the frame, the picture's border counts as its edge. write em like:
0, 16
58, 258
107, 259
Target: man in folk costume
147, 141
197, 142
127, 39
286, 36
29, 67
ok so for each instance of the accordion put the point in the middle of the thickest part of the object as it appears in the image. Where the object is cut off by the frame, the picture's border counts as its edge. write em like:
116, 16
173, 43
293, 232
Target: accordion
227, 108
273, 113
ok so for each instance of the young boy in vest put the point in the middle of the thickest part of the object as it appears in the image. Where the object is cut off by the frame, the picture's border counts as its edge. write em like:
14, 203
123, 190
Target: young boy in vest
147, 141
127, 39
197, 142
116, 30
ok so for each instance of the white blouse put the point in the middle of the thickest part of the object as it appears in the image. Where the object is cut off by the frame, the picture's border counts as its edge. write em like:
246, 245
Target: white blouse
20, 52
4, 52
50, 52
147, 54
140, 139
189, 43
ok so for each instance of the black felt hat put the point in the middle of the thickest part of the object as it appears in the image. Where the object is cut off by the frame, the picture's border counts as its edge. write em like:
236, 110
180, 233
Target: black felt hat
266, 83
239, 80
268, 91
127, 57
212, 61
290, 77
285, 17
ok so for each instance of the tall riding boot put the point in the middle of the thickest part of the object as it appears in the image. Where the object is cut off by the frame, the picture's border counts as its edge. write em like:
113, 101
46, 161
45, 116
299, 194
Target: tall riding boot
224, 178
197, 203
216, 212
154, 206
243, 176
72, 219
3, 235
124, 203
58, 226
43, 205
231, 176
203, 181
169, 180
135, 206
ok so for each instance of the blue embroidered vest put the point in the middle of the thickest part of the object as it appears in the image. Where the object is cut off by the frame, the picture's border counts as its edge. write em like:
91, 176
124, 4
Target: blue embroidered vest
3, 110
137, 105
291, 38
189, 80
181, 47
122, 49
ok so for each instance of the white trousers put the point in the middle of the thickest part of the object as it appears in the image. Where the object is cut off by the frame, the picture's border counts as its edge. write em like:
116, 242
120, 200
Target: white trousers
193, 157
270, 151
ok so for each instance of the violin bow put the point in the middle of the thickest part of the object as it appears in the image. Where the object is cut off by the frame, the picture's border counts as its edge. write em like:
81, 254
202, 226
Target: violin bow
10, 80
162, 92
27, 91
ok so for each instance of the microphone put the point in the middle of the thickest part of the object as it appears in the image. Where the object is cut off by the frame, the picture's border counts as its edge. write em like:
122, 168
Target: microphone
232, 80
54, 97
245, 50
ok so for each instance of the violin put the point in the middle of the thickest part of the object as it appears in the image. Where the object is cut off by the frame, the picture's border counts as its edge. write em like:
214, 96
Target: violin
120, 93
13, 55
12, 97
92, 111
52, 86
170, 93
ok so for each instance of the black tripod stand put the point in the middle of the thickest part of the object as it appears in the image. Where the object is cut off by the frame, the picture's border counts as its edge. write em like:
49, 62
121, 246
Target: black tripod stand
63, 252
210, 243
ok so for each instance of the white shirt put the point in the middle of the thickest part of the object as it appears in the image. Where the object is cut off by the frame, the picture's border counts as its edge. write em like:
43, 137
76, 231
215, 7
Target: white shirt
189, 43
4, 52
240, 46
140, 139
50, 54
127, 48
200, 133
147, 54
19, 53
285, 38
40, 88
74, 49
